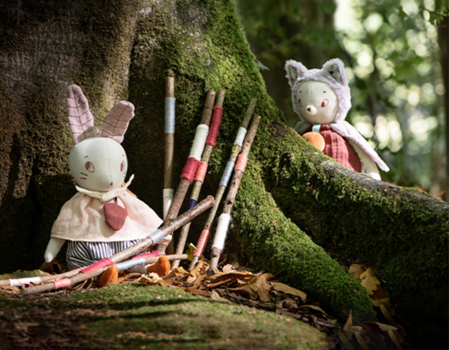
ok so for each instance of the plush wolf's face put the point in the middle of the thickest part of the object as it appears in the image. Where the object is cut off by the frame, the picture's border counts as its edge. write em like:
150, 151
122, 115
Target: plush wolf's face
319, 96
318, 103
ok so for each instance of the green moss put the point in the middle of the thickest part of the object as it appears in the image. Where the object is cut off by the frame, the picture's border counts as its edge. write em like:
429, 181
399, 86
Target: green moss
288, 192
131, 316
220, 58
402, 233
166, 316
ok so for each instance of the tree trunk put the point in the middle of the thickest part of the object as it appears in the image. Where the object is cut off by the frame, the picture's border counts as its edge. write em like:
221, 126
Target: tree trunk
290, 191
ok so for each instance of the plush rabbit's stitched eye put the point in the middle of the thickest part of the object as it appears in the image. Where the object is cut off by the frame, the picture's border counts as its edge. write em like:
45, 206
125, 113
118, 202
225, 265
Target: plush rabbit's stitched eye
122, 166
300, 103
324, 103
90, 167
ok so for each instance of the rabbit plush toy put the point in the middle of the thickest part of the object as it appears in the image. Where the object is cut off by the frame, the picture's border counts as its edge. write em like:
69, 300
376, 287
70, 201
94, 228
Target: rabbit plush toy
103, 218
321, 98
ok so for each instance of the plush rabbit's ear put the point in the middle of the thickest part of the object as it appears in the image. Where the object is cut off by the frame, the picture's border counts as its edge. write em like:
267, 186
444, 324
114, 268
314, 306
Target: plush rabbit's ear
336, 69
294, 71
80, 119
116, 123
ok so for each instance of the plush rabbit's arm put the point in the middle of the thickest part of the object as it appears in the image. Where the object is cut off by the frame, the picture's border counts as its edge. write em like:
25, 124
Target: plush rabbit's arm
53, 248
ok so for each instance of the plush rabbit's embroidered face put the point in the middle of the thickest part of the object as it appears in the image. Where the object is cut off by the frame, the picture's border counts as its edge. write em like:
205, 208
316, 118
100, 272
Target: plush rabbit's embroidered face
97, 163
319, 95
317, 102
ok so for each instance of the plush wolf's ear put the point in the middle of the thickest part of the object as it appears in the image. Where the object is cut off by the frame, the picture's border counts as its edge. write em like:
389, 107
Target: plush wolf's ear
80, 119
336, 69
116, 123
294, 71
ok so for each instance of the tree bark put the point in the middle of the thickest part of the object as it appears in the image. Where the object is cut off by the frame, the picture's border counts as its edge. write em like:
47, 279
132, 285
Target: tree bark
290, 191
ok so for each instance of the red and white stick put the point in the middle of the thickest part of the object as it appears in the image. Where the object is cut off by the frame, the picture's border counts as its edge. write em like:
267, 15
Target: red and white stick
201, 172
155, 237
225, 217
191, 166
200, 246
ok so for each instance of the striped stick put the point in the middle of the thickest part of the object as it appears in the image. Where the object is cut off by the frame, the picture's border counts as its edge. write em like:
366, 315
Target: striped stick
193, 161
200, 246
201, 172
170, 101
152, 239
225, 217
68, 282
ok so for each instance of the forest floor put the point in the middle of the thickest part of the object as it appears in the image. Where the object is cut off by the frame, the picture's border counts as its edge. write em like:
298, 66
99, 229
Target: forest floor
230, 310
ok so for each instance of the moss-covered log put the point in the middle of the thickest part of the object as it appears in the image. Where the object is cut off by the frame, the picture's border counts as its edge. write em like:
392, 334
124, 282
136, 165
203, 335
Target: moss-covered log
290, 191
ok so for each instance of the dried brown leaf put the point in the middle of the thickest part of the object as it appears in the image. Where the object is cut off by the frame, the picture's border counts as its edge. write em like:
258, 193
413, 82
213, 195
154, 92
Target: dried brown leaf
222, 282
281, 287
236, 275
380, 296
361, 341
316, 308
229, 268
380, 326
150, 279
200, 281
198, 269
287, 303
179, 272
355, 270
195, 291
348, 324
395, 339
369, 281
191, 279
257, 287
216, 296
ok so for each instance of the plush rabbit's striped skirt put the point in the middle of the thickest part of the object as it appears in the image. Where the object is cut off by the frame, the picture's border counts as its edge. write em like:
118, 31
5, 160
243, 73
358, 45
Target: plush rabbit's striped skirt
81, 254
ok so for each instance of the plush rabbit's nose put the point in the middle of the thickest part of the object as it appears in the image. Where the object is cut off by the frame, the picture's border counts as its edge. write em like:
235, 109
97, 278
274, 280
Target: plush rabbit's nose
311, 110
111, 184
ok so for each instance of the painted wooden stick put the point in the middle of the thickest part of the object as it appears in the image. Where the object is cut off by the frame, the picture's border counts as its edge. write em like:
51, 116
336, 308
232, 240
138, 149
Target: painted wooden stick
200, 246
225, 217
170, 101
23, 282
201, 172
67, 282
193, 161
153, 238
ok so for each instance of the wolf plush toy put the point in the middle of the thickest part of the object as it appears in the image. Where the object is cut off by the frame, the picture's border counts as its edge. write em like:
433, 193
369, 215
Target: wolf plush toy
321, 98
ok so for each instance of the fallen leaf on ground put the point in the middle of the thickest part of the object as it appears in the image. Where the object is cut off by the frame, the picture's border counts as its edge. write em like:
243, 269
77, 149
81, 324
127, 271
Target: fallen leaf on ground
369, 281
281, 287
179, 272
258, 287
355, 270
216, 296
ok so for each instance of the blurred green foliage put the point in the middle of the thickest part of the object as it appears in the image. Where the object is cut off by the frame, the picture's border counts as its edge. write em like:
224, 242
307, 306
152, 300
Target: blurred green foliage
393, 59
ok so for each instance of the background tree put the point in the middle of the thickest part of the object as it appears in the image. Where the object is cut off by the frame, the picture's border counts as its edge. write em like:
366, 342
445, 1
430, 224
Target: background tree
290, 192
393, 59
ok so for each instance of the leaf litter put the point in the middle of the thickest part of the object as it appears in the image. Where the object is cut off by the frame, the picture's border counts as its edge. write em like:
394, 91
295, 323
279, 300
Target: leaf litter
257, 290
